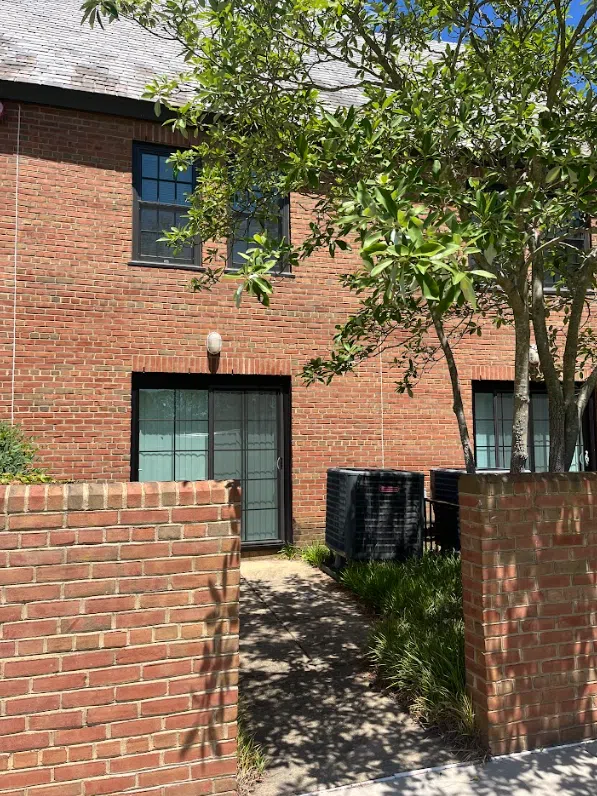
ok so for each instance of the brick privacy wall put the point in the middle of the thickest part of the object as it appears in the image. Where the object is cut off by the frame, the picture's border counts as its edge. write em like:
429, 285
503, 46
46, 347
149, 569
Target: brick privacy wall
119, 639
529, 571
86, 320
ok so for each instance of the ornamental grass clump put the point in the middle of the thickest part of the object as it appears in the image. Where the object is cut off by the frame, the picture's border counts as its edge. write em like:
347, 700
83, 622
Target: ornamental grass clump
417, 644
251, 759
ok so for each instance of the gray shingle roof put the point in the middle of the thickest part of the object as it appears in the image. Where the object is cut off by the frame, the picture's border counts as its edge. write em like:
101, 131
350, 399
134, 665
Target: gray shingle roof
42, 42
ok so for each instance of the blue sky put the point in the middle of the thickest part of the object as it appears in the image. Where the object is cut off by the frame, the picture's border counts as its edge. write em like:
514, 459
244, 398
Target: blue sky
577, 9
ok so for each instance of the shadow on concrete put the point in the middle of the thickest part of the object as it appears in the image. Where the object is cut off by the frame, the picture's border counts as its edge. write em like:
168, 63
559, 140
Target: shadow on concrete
566, 771
309, 697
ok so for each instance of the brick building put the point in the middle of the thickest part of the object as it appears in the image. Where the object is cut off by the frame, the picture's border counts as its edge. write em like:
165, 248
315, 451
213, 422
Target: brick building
103, 347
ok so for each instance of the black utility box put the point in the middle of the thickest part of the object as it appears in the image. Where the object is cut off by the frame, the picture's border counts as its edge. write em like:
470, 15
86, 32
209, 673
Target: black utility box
374, 515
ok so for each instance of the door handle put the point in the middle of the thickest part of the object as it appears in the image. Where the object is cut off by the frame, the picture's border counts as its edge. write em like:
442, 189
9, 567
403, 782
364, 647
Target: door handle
279, 463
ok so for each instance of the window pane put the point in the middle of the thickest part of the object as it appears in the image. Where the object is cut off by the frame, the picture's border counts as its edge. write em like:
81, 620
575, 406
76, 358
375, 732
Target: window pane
167, 192
156, 467
166, 219
156, 419
242, 240
485, 433
261, 463
540, 405
185, 176
191, 466
227, 464
260, 524
155, 435
261, 494
147, 244
149, 165
540, 432
149, 190
485, 442
149, 219
485, 458
484, 406
182, 194
191, 405
165, 172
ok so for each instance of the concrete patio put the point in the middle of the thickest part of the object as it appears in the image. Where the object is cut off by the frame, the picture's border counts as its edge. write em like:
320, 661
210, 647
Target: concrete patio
307, 690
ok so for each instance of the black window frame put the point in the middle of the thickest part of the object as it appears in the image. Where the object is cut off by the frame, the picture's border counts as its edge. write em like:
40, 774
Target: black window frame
589, 420
194, 264
283, 268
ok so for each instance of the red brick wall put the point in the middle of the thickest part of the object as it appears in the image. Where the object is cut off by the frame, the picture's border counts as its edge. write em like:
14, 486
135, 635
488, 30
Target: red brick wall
529, 570
118, 639
86, 320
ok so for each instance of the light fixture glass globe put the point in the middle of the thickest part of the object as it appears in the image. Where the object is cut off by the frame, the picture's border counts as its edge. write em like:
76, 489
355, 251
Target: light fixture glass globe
214, 343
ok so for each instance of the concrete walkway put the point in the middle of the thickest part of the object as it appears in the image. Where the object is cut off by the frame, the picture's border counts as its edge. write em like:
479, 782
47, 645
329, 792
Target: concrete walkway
560, 771
306, 688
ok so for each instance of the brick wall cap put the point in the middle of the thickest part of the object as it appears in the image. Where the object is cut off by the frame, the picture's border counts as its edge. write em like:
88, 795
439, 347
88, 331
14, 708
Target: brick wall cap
97, 495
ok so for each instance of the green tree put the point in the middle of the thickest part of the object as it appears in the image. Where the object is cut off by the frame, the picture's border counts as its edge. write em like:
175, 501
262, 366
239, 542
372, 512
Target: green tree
450, 143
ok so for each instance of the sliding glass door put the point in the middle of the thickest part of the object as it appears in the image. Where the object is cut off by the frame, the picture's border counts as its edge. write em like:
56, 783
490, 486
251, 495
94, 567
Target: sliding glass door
247, 446
223, 433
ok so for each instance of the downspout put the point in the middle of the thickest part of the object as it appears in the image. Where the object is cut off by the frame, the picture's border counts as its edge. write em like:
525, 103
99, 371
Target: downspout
15, 265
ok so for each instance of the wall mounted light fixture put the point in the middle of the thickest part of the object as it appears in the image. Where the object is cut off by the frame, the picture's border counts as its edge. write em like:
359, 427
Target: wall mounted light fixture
214, 343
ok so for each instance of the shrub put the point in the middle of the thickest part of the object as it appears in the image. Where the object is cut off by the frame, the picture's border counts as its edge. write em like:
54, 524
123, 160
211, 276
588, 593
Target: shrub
315, 554
17, 451
417, 645
32, 477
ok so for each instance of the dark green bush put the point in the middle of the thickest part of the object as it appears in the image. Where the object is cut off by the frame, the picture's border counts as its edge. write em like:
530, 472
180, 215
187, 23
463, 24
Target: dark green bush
417, 645
17, 454
17, 451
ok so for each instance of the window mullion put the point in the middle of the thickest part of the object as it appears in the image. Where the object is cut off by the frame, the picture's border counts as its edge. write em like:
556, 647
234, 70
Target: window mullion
174, 437
496, 432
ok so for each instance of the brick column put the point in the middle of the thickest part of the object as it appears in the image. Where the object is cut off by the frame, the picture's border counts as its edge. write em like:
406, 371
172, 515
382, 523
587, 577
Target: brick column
119, 639
529, 570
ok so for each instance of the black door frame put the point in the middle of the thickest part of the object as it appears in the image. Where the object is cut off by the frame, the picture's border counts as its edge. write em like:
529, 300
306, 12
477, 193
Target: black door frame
181, 381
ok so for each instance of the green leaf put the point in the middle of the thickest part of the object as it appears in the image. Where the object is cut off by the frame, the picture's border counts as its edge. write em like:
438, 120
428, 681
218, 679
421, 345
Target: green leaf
381, 266
484, 274
468, 292
553, 174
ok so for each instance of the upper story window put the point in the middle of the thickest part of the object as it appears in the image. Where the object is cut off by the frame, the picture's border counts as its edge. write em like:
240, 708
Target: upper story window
161, 201
578, 240
257, 214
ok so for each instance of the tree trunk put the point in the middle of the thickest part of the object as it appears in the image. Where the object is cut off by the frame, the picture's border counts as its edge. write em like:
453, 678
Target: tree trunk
457, 404
557, 433
520, 422
572, 430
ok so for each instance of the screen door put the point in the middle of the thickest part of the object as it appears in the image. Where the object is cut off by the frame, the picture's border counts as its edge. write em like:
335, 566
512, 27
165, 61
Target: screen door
247, 446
